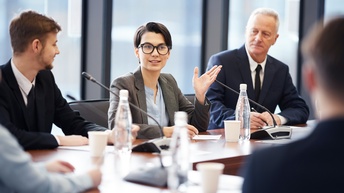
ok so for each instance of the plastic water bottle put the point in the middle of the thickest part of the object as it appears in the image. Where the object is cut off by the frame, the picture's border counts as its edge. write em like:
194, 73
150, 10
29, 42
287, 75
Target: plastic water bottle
123, 121
179, 147
242, 113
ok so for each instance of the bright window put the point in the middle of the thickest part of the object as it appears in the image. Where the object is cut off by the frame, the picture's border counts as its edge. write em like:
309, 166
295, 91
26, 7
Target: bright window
333, 8
182, 18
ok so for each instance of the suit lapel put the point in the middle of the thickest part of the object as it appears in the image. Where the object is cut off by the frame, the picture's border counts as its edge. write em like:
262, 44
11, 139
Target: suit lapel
245, 71
141, 95
167, 92
268, 78
13, 84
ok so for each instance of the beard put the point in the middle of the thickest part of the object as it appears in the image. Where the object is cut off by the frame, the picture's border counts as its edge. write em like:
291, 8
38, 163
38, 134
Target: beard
49, 66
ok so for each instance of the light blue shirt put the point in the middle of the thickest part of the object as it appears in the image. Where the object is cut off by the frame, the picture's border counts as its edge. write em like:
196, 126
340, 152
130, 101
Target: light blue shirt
158, 109
20, 174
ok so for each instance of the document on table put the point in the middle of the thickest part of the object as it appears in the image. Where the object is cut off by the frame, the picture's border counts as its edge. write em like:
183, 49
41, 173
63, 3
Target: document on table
108, 148
206, 137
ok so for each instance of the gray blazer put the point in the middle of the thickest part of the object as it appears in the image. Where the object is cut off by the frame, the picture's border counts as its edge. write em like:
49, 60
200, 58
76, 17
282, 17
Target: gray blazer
174, 101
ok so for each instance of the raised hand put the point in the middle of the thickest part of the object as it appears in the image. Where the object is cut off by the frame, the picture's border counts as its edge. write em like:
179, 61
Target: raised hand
202, 83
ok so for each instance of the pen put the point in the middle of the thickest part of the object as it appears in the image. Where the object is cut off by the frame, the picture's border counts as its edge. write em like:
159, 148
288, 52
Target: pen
254, 110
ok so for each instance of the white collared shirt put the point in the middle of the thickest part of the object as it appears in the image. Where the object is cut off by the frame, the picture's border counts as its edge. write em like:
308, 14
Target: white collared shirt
253, 66
24, 84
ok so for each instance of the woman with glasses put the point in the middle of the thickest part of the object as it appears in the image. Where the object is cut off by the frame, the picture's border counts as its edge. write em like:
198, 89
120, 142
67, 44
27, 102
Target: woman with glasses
158, 93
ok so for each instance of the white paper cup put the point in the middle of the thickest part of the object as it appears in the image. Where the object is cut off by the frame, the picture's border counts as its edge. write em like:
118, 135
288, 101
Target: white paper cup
210, 173
232, 130
97, 141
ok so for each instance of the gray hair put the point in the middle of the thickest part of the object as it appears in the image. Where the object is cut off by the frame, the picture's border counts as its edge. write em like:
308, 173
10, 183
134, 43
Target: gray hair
268, 12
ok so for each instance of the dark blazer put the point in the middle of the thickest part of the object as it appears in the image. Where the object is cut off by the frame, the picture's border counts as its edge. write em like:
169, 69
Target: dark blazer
51, 108
174, 101
312, 164
277, 89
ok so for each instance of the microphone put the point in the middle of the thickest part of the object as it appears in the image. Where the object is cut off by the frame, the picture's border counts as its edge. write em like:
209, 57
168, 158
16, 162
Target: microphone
156, 176
268, 132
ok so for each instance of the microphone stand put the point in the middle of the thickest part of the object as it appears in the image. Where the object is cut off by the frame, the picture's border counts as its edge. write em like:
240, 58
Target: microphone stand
268, 132
156, 176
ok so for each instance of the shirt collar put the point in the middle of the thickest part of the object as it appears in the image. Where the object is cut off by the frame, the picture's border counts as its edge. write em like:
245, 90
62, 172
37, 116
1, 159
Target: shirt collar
254, 64
24, 84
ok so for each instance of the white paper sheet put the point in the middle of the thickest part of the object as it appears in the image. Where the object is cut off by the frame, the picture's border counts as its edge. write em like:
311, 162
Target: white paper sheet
206, 137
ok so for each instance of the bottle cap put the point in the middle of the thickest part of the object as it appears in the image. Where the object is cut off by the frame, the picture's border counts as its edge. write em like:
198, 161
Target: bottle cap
123, 94
243, 86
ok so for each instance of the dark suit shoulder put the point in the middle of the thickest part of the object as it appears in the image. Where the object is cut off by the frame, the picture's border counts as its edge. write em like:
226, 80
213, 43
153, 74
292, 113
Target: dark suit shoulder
225, 55
167, 77
276, 62
46, 75
5, 65
125, 77
235, 56
130, 81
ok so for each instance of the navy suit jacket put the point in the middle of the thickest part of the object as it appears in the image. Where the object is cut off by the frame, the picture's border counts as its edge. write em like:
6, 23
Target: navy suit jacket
51, 108
277, 89
312, 164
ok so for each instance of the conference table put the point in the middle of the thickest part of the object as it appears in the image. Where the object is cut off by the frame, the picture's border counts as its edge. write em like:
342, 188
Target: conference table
233, 154
114, 168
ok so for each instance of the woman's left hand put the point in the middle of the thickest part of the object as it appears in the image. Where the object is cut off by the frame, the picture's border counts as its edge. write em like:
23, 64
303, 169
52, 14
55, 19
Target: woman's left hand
202, 83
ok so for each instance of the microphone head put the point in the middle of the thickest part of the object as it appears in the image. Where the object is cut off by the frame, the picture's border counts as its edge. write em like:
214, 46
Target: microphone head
87, 76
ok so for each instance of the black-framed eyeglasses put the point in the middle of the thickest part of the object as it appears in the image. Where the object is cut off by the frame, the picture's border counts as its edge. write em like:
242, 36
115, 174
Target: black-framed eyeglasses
148, 48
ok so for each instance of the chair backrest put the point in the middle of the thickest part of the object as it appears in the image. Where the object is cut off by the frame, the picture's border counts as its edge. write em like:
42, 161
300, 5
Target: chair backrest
92, 110
190, 97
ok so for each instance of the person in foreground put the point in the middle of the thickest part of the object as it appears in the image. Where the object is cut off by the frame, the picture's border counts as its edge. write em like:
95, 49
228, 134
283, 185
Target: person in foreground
315, 163
19, 174
30, 101
158, 93
271, 86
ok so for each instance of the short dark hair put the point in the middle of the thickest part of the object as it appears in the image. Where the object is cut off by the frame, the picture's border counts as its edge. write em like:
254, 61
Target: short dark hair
28, 26
323, 48
153, 27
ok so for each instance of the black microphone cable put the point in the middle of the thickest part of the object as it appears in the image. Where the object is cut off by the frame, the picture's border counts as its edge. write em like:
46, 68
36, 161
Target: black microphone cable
252, 101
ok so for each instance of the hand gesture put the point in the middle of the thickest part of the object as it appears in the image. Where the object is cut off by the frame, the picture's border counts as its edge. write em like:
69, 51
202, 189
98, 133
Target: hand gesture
202, 83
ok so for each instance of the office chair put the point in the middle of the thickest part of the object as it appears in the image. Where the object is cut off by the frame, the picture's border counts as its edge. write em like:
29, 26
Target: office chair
92, 110
190, 97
